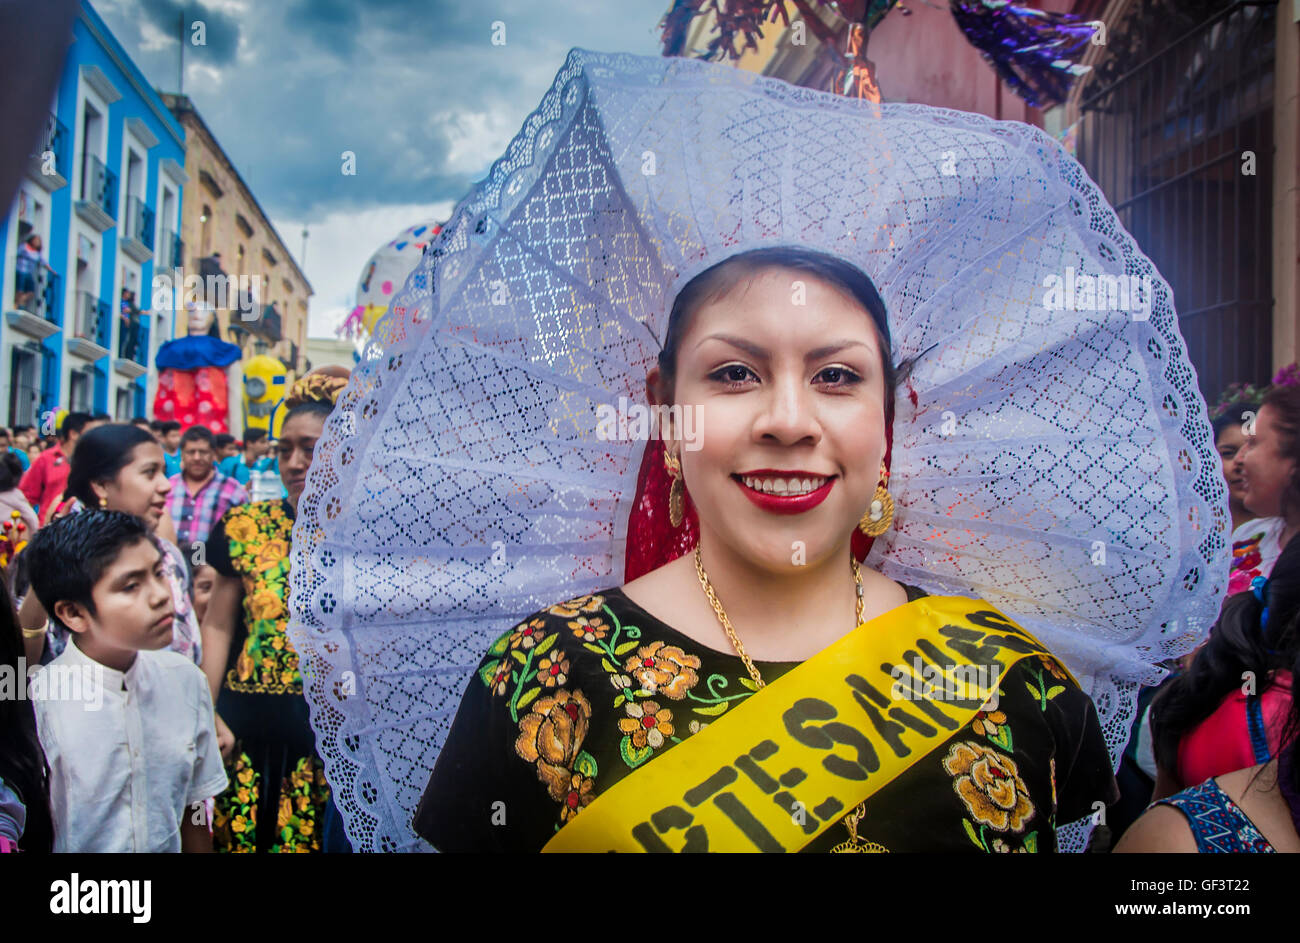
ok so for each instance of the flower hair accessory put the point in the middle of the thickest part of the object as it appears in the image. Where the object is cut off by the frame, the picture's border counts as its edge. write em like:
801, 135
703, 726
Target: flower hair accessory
316, 388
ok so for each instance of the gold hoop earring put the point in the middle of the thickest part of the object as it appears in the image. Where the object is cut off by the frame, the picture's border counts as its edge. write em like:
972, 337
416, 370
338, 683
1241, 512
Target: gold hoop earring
881, 513
676, 494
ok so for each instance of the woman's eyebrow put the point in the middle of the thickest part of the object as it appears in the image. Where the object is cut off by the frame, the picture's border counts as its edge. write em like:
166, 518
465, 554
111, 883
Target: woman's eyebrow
754, 350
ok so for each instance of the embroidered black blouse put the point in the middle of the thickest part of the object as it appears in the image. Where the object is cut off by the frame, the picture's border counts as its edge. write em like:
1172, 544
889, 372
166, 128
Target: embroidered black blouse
579, 695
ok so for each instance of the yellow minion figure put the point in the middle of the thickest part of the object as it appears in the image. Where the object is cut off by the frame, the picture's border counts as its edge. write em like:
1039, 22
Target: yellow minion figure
265, 383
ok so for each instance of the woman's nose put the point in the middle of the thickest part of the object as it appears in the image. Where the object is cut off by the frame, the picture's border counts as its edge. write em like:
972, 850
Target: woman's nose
787, 414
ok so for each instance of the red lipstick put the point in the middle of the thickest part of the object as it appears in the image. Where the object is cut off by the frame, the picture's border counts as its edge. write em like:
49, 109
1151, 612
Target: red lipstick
784, 503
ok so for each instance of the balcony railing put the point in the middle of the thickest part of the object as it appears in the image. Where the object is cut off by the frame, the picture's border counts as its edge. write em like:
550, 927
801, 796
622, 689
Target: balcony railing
170, 250
93, 321
133, 342
54, 139
139, 222
37, 292
99, 185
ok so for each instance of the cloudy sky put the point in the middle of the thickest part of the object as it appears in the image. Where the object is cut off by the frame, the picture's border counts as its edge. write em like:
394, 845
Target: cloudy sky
415, 88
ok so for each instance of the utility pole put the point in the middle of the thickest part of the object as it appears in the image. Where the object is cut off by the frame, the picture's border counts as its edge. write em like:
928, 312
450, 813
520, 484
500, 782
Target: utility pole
302, 259
180, 62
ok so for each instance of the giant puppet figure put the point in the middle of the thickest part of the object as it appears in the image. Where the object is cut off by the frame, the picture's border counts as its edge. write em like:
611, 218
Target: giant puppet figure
192, 386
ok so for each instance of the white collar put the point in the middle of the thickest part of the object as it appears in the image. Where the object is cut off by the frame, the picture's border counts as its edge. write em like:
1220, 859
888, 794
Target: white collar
114, 680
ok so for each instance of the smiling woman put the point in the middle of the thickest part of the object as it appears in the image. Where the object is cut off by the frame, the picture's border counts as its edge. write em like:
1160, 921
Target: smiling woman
523, 631
784, 354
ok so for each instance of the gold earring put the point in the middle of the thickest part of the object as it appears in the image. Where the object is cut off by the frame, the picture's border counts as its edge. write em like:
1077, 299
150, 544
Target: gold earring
103, 502
881, 513
676, 504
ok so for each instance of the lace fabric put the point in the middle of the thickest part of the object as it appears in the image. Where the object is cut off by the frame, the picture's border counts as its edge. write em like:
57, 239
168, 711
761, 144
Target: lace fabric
1056, 462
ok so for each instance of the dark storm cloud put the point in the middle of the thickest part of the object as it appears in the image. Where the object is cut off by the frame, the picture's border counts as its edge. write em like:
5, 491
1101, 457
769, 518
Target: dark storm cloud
222, 32
289, 85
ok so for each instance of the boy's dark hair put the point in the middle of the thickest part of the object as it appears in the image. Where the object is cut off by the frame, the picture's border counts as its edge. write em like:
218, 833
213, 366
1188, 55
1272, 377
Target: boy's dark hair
18, 430
170, 426
11, 471
198, 434
222, 439
253, 435
141, 421
73, 422
67, 557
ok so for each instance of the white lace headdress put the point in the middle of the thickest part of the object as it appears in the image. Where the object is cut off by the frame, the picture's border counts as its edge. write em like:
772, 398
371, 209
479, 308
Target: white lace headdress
1056, 460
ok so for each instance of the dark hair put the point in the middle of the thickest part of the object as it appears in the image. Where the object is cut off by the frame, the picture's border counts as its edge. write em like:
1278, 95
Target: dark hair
19, 429
141, 421
197, 434
73, 422
253, 435
68, 557
4, 432
101, 454
1236, 645
1237, 414
221, 440
170, 426
101, 417
11, 471
1284, 403
718, 280
22, 761
313, 407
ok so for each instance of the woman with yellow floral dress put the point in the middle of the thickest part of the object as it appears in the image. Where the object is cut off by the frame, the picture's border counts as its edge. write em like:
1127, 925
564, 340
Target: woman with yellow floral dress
278, 800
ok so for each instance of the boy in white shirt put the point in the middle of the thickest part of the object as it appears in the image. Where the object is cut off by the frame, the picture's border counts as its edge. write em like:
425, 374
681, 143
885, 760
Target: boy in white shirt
133, 753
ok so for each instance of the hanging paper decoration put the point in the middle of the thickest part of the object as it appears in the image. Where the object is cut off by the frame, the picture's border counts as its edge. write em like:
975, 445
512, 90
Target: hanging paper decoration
1035, 52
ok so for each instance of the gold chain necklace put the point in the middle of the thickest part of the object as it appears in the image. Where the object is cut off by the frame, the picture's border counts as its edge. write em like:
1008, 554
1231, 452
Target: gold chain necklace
726, 623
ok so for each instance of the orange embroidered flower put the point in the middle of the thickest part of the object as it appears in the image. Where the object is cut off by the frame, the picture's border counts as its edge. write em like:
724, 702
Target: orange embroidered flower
589, 629
244, 666
664, 669
1050, 664
500, 682
578, 796
647, 723
239, 528
265, 604
528, 634
988, 723
553, 669
551, 735
990, 785
576, 607
271, 553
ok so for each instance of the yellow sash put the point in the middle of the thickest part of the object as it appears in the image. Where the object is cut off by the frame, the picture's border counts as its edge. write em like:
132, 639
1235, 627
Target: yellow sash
776, 771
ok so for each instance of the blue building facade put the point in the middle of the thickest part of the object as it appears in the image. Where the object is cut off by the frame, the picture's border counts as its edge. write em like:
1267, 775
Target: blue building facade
103, 193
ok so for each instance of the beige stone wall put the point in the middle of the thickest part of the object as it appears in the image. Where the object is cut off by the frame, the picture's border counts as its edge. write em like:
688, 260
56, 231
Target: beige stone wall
281, 280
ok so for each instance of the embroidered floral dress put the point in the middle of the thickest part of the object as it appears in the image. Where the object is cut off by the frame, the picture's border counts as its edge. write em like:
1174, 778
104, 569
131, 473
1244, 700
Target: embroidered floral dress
580, 695
278, 795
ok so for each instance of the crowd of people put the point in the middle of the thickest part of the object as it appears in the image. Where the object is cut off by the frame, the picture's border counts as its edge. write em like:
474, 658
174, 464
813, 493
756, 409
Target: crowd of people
171, 587
145, 570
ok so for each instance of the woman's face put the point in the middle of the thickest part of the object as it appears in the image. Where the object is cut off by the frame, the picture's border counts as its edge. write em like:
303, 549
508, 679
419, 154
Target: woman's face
141, 487
295, 447
1229, 444
789, 403
1263, 468
205, 577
